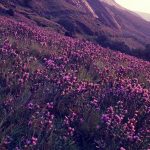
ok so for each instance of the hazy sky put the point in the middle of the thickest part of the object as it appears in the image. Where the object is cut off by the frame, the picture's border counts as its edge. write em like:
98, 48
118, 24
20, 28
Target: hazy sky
137, 5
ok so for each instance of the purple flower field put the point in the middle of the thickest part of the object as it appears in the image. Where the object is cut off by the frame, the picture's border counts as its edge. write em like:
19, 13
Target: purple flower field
59, 93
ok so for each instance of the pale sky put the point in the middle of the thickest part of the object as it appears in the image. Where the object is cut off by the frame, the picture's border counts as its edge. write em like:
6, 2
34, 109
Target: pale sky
136, 5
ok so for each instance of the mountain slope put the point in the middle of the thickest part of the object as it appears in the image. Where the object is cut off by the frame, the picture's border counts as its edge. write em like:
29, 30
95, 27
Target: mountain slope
85, 19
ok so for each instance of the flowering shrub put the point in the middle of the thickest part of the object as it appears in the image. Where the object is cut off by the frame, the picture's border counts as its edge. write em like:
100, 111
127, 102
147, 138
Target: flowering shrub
62, 93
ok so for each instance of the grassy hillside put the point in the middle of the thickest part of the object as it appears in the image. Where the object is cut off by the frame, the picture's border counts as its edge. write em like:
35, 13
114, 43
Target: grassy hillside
62, 93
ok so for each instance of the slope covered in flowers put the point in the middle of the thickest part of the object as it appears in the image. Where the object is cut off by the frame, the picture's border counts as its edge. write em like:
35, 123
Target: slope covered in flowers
61, 93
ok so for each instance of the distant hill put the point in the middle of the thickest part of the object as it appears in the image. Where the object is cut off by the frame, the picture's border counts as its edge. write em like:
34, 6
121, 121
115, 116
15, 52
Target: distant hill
146, 16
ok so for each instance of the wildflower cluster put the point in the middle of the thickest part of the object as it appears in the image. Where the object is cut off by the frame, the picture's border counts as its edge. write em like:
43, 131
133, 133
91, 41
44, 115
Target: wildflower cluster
62, 93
